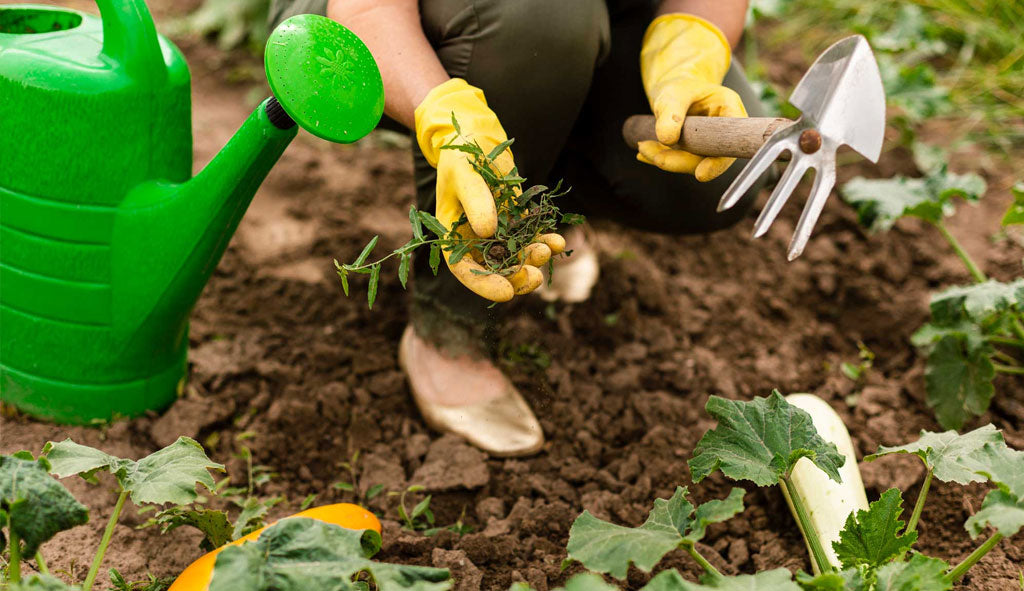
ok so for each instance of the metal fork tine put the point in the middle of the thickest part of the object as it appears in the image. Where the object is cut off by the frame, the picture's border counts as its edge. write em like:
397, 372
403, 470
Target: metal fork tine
824, 180
755, 168
790, 178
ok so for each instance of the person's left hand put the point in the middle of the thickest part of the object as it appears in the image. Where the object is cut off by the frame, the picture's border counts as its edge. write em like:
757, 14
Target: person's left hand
683, 61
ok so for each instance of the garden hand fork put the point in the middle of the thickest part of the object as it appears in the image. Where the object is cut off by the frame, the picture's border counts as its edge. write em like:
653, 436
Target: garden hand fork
841, 101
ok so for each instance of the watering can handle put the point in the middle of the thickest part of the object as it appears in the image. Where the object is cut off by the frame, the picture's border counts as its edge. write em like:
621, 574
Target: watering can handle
130, 39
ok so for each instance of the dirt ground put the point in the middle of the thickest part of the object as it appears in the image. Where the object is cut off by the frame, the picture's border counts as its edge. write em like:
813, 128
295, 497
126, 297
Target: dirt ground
619, 382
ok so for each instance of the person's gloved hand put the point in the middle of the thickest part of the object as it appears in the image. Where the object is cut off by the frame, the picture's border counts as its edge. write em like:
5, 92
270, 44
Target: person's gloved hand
683, 60
460, 189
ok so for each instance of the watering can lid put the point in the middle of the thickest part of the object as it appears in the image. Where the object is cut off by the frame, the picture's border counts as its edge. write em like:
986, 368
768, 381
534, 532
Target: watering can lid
325, 78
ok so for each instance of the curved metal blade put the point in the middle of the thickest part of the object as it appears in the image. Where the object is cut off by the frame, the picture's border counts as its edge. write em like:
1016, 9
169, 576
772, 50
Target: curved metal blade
842, 96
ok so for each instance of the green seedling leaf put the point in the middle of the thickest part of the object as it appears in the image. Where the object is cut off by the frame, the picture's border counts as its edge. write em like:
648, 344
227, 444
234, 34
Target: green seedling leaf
343, 274
251, 518
433, 224
414, 221
778, 579
403, 269
950, 456
958, 381
34, 505
500, 149
871, 538
978, 302
1015, 215
435, 257
373, 491
217, 529
299, 554
608, 548
366, 252
168, 475
371, 290
761, 441
1001, 510
880, 202
851, 579
920, 573
455, 124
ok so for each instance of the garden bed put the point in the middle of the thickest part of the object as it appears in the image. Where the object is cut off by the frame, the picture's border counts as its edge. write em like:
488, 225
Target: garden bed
284, 364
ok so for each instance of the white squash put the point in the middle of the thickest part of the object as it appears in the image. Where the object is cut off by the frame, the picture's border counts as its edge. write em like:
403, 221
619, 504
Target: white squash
828, 502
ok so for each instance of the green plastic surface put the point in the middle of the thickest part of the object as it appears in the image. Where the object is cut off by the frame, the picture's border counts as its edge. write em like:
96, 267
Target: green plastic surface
105, 240
325, 78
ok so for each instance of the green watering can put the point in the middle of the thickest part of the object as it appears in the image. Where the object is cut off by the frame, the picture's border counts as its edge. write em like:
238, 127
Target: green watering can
105, 240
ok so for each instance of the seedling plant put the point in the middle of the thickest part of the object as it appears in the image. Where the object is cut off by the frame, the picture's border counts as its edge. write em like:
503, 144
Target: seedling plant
976, 330
522, 217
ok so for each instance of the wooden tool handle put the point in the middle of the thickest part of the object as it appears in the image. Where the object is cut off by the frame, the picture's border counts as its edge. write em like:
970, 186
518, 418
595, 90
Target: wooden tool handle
710, 136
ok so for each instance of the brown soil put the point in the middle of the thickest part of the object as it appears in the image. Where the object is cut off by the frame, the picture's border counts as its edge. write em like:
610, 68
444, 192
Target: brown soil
618, 382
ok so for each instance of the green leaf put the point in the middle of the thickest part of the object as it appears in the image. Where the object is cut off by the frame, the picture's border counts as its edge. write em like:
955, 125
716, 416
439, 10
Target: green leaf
251, 517
343, 274
948, 454
586, 582
435, 257
778, 579
214, 524
978, 301
1000, 510
169, 475
366, 252
880, 202
371, 292
403, 269
433, 224
499, 149
300, 554
958, 381
414, 221
36, 506
458, 252
373, 491
1003, 466
920, 573
872, 537
913, 89
851, 579
421, 507
760, 441
608, 548
455, 124
1015, 215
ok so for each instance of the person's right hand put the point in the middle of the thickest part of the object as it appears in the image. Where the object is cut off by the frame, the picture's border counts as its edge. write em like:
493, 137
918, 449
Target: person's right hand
460, 189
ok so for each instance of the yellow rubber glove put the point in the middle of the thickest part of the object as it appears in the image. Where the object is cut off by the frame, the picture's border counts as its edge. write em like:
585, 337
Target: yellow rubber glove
683, 60
461, 190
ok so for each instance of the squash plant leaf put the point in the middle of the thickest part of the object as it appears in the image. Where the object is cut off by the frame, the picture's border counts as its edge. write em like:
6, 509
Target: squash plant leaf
949, 455
1003, 466
608, 548
580, 582
958, 380
979, 302
217, 529
920, 573
168, 475
760, 441
33, 504
880, 202
851, 579
872, 537
1015, 215
298, 554
1000, 510
778, 579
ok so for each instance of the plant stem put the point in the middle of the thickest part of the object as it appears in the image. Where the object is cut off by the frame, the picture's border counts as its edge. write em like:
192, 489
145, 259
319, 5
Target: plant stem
1006, 341
41, 564
1018, 328
972, 268
919, 505
959, 570
14, 568
104, 542
1010, 369
817, 550
703, 562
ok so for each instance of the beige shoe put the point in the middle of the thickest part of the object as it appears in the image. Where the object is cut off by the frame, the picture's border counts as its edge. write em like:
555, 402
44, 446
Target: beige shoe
469, 397
576, 275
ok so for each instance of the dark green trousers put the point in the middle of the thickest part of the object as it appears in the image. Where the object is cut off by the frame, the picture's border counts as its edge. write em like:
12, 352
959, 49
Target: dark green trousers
562, 76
